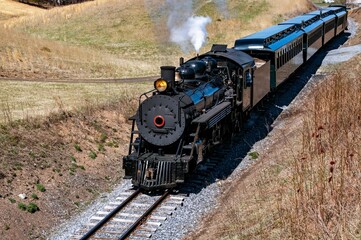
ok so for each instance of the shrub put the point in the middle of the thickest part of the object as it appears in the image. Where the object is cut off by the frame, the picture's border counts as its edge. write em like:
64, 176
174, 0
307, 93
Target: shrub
101, 147
103, 137
40, 187
34, 196
253, 155
32, 155
113, 144
12, 200
18, 166
78, 148
22, 206
92, 155
32, 207
73, 167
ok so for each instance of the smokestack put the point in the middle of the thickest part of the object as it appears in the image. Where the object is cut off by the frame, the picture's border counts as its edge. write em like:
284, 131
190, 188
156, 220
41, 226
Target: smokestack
168, 73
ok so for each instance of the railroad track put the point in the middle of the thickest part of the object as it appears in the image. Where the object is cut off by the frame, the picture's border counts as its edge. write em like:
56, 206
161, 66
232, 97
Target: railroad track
133, 215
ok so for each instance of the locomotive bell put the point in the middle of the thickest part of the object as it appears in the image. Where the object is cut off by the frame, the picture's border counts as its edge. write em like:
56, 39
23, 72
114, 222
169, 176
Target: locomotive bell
168, 73
210, 62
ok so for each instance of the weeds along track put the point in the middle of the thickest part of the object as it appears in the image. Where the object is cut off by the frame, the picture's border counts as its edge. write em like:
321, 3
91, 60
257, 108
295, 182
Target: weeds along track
132, 215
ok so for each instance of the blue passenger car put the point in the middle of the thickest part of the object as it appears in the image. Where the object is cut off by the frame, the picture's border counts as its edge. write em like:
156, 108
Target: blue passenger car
286, 46
279, 44
329, 23
312, 26
341, 18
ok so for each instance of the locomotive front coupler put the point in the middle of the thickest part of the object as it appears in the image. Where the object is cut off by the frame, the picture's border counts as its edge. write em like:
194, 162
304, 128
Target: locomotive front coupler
160, 151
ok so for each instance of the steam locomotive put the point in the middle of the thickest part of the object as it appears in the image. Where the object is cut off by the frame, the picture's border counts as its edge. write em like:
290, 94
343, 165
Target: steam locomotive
198, 105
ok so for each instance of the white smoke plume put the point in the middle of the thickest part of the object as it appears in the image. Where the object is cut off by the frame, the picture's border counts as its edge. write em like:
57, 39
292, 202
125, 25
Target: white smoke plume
185, 28
193, 31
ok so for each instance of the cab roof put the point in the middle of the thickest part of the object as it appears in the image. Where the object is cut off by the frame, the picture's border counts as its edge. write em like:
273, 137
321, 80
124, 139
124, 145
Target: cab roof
221, 51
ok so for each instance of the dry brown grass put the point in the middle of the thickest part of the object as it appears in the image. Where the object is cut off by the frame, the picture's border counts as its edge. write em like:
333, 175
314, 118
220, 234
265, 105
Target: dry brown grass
109, 38
42, 150
321, 199
16, 9
27, 56
98, 39
24, 100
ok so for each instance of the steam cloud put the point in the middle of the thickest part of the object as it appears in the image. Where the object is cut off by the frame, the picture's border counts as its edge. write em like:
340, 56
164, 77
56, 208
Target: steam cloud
193, 30
185, 28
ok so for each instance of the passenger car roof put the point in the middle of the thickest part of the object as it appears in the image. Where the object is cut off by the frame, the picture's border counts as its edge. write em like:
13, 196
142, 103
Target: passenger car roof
271, 38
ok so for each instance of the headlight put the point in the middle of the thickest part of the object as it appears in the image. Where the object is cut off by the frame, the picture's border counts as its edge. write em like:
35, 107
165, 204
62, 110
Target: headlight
161, 85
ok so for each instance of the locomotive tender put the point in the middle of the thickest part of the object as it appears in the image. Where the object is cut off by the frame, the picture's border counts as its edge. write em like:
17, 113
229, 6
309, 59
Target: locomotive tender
202, 102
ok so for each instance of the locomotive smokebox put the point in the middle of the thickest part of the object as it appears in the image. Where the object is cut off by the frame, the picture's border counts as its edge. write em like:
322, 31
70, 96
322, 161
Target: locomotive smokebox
168, 73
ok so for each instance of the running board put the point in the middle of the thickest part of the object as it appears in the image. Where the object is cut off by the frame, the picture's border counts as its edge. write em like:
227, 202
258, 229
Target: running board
215, 115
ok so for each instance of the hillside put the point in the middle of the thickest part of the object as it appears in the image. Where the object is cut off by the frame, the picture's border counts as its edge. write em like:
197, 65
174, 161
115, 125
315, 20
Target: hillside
101, 38
63, 160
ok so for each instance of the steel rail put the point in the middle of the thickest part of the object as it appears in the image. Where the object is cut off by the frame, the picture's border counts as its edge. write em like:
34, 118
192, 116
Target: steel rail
143, 217
109, 216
